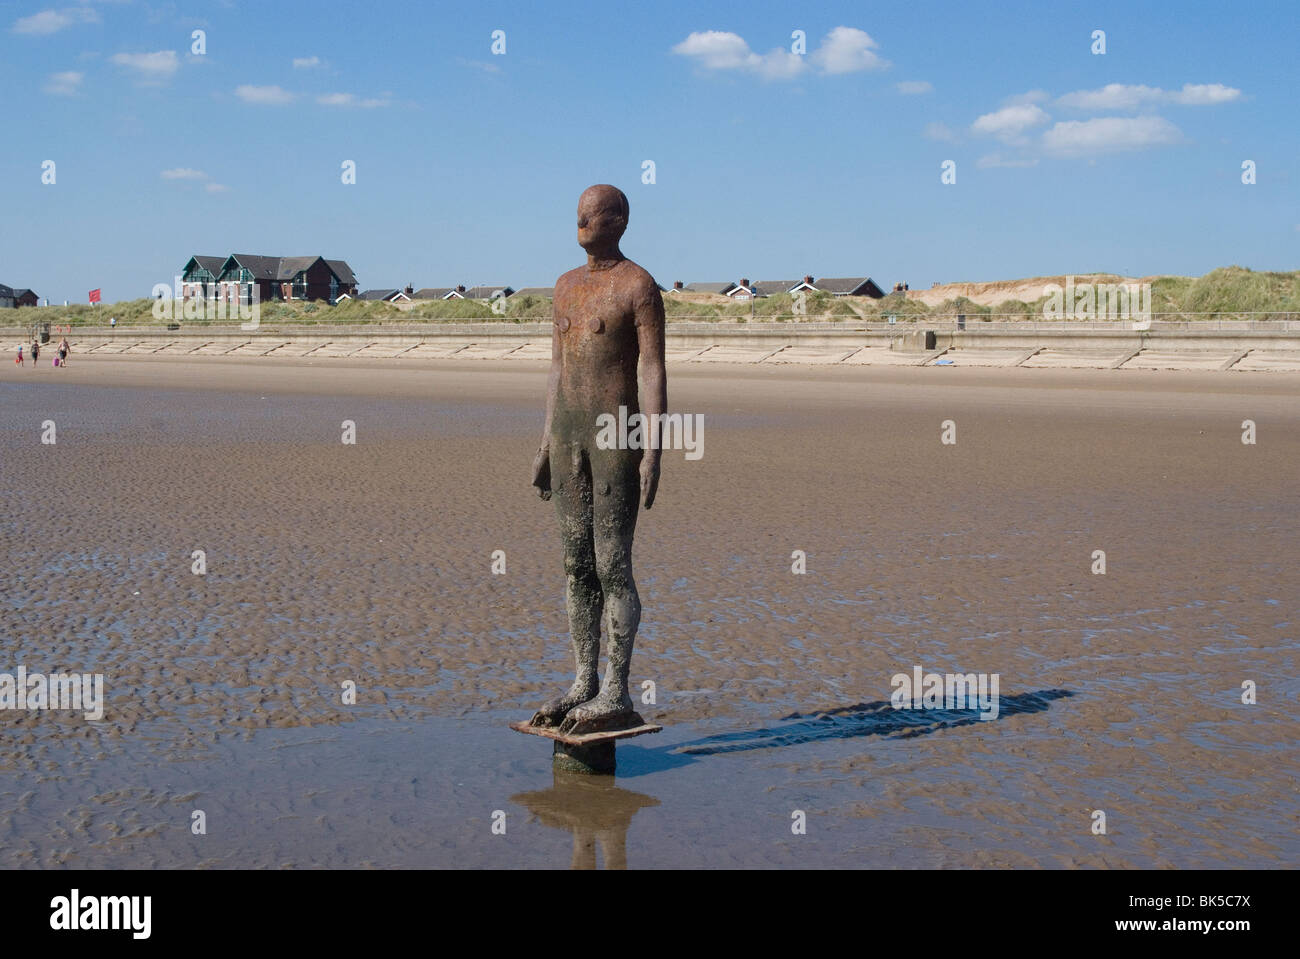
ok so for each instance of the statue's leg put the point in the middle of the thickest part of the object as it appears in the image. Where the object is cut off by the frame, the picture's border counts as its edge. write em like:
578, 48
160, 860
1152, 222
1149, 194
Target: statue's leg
616, 481
571, 490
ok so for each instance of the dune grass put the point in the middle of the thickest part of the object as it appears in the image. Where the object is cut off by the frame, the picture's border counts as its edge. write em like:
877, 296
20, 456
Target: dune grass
1226, 290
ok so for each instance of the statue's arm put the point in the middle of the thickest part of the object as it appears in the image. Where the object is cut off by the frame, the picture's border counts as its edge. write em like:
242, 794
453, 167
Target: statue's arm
542, 461
654, 383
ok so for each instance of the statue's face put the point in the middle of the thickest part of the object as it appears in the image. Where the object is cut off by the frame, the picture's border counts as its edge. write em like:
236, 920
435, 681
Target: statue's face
600, 219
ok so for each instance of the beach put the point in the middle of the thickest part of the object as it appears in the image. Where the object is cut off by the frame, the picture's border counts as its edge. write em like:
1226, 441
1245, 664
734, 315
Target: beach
328, 563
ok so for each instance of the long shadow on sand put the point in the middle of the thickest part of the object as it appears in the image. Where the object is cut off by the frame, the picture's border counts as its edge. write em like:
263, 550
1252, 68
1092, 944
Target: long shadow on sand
846, 722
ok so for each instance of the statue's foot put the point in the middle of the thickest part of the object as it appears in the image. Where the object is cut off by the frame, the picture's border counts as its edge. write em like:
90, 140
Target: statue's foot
554, 710
605, 713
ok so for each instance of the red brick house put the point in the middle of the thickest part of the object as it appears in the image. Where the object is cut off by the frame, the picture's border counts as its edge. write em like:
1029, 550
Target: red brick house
234, 278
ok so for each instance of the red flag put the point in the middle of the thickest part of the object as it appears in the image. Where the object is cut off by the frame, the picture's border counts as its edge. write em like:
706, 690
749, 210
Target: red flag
94, 296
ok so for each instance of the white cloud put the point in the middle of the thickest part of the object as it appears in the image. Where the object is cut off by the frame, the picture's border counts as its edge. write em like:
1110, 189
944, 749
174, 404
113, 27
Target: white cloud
305, 63
52, 21
1113, 96
1009, 123
265, 96
351, 100
215, 187
64, 84
1029, 96
1109, 135
717, 50
914, 87
720, 50
1205, 94
183, 173
941, 132
154, 67
843, 50
847, 50
1121, 96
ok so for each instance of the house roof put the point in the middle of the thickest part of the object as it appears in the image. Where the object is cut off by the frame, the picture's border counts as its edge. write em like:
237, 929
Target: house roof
773, 287
7, 291
212, 264
486, 292
284, 268
261, 267
291, 266
377, 294
547, 291
433, 293
342, 271
23, 292
849, 285
710, 287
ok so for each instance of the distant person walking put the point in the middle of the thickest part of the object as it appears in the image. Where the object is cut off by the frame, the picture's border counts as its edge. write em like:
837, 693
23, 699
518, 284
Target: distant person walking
64, 350
36, 352
19, 359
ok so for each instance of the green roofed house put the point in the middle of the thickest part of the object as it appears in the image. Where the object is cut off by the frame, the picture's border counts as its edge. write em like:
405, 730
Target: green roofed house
274, 278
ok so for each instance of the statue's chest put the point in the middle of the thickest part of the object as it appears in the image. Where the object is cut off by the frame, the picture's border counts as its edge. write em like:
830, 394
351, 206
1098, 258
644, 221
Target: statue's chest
595, 306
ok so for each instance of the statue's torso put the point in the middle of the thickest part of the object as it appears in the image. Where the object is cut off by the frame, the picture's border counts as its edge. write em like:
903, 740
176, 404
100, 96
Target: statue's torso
595, 318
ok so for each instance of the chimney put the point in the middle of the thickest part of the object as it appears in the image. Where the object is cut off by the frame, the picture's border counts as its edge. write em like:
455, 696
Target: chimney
460, 289
808, 280
677, 284
744, 281
410, 288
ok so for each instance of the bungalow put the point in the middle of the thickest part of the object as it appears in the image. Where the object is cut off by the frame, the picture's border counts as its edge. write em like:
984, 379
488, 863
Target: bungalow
462, 293
841, 286
385, 296
723, 288
276, 278
742, 290
774, 287
485, 292
545, 291
26, 298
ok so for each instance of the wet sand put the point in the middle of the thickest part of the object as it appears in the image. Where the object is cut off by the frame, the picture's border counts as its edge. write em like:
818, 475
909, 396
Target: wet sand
372, 563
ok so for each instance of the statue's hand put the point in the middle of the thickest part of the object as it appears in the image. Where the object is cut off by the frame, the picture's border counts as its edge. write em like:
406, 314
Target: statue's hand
542, 473
649, 479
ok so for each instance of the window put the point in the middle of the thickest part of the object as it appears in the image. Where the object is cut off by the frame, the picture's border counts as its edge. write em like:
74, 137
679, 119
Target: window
300, 286
334, 289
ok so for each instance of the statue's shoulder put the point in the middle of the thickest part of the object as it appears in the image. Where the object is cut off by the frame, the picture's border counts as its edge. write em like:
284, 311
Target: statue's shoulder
640, 282
568, 279
640, 275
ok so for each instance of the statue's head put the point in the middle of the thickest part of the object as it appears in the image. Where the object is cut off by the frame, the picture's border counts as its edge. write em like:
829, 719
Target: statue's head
602, 217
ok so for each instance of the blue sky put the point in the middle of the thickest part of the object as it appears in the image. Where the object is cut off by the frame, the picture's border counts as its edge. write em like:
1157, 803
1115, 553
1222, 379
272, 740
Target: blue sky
768, 164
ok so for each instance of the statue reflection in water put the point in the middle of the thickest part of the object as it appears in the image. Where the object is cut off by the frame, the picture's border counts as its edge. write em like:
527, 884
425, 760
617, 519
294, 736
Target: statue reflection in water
594, 809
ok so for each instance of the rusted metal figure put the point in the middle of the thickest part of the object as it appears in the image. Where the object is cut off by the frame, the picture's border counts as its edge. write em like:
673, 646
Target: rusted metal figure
608, 315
